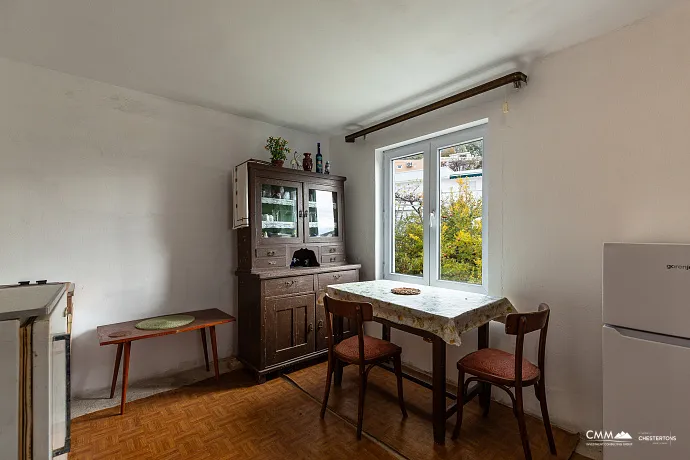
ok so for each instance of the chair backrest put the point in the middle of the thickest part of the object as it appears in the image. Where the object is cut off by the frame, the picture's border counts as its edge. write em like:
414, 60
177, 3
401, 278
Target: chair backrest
357, 311
520, 324
534, 321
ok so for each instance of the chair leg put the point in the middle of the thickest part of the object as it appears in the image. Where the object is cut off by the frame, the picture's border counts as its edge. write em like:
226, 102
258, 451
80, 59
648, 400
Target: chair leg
460, 403
521, 423
327, 391
541, 395
360, 409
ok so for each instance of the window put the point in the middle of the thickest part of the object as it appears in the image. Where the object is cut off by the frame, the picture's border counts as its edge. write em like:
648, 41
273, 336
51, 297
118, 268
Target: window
434, 211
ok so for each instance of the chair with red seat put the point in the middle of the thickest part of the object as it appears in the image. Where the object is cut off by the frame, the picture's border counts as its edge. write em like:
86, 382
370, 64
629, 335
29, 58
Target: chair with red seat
505, 370
361, 350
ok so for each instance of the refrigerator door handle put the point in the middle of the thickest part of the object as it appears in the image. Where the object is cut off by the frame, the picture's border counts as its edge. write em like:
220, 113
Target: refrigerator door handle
651, 337
68, 418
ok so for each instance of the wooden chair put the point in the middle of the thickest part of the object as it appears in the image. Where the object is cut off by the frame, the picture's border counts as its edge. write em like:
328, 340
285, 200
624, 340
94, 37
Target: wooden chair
505, 370
361, 350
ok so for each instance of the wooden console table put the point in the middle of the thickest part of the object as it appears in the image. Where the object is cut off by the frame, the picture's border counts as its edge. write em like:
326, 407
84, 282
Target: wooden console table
123, 334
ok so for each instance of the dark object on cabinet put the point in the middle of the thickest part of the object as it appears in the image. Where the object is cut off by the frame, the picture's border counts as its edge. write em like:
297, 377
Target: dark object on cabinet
304, 258
280, 321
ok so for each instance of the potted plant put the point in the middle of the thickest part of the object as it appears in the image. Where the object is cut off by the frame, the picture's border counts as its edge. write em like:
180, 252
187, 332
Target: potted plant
277, 147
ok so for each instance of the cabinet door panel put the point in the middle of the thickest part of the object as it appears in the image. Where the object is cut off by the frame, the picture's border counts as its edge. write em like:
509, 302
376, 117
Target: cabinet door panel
323, 211
289, 328
277, 211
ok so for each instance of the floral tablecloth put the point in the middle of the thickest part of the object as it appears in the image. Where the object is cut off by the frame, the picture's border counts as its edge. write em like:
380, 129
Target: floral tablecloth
446, 313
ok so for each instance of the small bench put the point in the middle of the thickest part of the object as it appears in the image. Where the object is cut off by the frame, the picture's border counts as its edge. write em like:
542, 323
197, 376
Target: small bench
123, 334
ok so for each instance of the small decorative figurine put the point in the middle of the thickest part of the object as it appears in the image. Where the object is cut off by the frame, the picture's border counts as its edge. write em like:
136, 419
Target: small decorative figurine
328, 167
307, 163
319, 158
294, 164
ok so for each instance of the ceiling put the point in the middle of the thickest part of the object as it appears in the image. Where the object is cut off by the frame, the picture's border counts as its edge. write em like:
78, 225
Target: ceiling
314, 65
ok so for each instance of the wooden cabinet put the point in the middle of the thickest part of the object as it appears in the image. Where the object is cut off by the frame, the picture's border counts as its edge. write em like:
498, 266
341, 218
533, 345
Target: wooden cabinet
280, 320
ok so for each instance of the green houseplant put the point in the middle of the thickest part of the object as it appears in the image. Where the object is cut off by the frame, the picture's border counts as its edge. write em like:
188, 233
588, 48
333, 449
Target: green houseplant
277, 147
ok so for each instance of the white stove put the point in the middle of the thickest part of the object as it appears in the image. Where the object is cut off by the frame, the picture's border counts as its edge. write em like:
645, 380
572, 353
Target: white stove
34, 384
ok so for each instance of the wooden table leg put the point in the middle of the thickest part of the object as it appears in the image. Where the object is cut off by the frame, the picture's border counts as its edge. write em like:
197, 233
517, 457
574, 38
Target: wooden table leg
118, 357
439, 390
125, 377
203, 344
214, 347
485, 393
337, 337
386, 332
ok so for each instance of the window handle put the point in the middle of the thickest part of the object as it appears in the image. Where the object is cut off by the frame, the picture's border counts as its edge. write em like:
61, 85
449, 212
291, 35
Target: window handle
432, 218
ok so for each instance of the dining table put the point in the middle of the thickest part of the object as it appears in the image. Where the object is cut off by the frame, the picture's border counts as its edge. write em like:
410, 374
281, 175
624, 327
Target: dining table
438, 315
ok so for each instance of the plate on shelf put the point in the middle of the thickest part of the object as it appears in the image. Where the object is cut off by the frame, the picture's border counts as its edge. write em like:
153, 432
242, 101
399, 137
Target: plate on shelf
275, 224
283, 201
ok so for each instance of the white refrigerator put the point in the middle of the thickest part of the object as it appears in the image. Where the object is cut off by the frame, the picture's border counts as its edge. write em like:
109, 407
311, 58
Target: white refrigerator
646, 352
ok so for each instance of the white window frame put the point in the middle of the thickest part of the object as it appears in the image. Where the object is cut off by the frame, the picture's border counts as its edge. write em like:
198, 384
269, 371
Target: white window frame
431, 206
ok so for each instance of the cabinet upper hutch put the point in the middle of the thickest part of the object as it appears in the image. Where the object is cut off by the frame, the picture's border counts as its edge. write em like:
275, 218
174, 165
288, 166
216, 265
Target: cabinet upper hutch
290, 246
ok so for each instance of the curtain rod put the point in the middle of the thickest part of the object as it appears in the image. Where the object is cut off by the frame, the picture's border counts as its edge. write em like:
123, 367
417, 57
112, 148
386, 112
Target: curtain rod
516, 78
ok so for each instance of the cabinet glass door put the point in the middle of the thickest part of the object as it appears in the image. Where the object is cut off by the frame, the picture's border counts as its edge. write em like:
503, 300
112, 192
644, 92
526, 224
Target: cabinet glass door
322, 206
278, 211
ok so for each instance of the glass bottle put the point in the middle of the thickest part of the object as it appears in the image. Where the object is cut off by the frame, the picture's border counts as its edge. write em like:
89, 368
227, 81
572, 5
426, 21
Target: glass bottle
319, 158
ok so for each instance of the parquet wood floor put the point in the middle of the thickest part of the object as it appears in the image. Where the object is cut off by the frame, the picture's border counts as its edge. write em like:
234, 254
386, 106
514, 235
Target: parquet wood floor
236, 419
493, 438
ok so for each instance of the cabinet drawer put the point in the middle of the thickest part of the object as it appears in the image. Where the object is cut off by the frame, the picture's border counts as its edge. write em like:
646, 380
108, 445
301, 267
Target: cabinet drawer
271, 262
287, 286
332, 249
327, 279
332, 259
278, 251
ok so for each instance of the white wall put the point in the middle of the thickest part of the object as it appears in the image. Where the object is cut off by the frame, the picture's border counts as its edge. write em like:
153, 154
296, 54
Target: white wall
127, 195
595, 149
